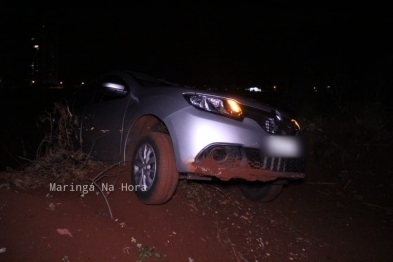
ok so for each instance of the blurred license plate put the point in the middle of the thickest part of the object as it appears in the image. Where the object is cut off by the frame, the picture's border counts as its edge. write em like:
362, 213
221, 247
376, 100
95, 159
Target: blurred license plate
284, 146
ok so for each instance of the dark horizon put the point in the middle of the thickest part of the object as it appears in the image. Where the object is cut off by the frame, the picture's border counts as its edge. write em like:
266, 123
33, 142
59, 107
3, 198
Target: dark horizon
243, 47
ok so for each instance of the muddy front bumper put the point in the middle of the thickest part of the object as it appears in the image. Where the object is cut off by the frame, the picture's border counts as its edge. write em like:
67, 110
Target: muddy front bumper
226, 162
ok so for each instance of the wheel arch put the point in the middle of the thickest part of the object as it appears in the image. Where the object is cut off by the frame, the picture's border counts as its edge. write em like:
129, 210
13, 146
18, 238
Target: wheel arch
144, 124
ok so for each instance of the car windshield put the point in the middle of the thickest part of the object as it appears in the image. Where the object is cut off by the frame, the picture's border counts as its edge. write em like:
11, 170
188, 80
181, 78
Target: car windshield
149, 81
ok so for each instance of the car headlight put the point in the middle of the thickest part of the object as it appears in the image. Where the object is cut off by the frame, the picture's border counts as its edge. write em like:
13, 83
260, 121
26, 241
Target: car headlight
225, 106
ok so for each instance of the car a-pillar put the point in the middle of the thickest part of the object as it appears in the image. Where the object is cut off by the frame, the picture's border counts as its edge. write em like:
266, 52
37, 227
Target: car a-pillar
152, 161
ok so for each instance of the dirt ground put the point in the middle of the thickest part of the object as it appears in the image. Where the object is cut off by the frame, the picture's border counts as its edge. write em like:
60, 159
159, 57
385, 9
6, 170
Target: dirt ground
325, 217
316, 219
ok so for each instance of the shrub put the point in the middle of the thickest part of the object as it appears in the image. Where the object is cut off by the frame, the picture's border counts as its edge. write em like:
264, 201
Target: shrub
58, 156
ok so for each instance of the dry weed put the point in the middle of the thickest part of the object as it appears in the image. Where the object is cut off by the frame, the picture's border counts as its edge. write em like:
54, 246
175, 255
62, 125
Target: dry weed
58, 157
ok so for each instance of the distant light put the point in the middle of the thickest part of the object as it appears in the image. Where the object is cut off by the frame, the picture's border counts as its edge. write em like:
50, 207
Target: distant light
328, 87
61, 83
82, 83
254, 89
32, 81
275, 88
36, 46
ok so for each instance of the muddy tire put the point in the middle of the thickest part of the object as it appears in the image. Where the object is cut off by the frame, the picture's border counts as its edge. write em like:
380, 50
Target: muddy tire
260, 191
153, 169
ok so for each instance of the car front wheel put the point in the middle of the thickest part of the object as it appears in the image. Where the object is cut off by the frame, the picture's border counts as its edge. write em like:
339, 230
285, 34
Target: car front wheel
153, 170
260, 191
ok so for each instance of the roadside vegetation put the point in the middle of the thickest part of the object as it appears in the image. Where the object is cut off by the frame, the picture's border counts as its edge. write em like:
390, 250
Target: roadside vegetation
58, 158
350, 138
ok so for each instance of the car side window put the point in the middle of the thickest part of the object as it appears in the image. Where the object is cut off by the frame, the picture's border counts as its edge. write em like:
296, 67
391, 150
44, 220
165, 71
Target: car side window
111, 88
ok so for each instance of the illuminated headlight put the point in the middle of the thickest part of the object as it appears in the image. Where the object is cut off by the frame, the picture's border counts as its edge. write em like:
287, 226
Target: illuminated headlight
224, 106
293, 121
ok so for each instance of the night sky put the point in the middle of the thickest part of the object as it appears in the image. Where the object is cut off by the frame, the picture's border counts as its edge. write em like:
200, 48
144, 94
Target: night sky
213, 45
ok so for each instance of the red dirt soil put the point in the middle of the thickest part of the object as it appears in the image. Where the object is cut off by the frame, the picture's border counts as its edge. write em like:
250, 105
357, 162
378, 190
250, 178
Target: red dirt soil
312, 220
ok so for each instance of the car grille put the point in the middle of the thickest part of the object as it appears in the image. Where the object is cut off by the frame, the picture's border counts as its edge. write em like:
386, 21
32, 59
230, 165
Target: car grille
268, 122
280, 164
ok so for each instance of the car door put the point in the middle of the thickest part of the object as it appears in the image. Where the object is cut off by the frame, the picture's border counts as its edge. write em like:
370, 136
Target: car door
104, 117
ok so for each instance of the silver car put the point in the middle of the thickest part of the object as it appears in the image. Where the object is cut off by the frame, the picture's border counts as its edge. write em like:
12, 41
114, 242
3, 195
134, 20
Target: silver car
168, 132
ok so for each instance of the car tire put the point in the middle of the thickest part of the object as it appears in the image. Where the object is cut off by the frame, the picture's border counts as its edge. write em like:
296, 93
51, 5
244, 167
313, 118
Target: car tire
153, 169
260, 191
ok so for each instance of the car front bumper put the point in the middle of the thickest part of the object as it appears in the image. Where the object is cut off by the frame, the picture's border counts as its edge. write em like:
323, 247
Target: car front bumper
213, 145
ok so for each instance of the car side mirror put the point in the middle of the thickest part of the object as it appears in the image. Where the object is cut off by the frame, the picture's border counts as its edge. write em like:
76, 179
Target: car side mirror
113, 89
